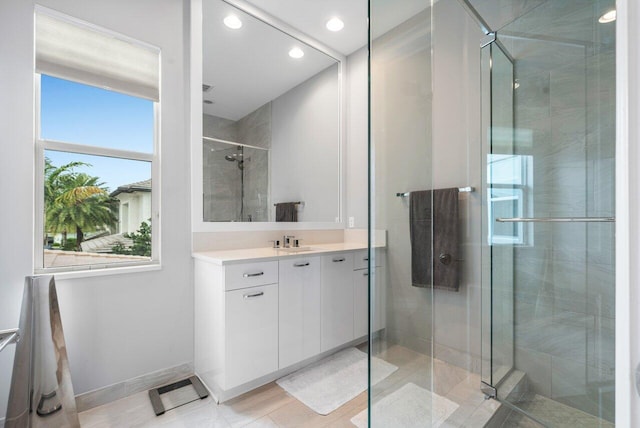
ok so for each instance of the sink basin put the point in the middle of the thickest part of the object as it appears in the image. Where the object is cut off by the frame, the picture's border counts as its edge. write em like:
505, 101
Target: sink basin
295, 249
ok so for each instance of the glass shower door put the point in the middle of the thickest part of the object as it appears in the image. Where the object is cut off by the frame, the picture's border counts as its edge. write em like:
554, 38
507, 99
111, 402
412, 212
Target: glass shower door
505, 175
549, 266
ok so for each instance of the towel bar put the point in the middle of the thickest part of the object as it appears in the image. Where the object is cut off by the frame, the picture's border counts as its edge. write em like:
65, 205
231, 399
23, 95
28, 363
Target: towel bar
557, 220
297, 203
467, 189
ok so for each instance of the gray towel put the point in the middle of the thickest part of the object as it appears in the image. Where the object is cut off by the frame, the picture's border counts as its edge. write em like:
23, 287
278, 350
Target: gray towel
286, 211
445, 239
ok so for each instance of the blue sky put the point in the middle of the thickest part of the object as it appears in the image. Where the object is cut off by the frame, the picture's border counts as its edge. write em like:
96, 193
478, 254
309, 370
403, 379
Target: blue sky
76, 113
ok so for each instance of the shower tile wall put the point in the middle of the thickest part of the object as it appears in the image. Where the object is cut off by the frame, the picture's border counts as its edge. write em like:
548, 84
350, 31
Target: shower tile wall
221, 184
255, 129
222, 179
564, 277
401, 145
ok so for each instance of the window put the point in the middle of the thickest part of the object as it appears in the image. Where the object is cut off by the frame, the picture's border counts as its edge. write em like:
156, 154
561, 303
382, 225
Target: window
509, 196
96, 144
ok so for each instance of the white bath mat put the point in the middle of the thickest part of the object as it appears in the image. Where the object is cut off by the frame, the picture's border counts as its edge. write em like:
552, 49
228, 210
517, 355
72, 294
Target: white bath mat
410, 407
335, 380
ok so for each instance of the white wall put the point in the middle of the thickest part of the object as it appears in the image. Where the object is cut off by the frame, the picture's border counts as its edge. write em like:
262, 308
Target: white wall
627, 214
304, 147
120, 326
356, 174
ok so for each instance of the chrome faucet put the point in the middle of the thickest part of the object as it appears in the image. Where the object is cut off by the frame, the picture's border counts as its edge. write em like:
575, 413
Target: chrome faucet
287, 241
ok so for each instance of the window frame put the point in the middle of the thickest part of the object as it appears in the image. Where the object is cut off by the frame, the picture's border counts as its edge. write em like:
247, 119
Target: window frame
522, 196
76, 148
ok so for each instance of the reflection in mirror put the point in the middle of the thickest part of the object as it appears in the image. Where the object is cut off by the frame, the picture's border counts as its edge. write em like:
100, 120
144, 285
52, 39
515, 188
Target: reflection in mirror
271, 124
236, 181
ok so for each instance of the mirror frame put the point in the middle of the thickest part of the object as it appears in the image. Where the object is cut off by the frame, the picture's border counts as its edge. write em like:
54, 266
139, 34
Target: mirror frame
196, 132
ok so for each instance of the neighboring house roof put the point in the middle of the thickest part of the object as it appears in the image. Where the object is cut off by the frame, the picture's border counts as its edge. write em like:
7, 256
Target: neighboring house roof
140, 186
56, 258
104, 244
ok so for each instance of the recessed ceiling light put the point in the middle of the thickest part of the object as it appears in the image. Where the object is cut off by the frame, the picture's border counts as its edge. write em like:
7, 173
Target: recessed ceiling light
233, 22
296, 53
608, 17
335, 24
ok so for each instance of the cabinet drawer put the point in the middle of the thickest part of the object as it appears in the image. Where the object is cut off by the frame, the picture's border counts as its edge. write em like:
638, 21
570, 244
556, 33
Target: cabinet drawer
250, 275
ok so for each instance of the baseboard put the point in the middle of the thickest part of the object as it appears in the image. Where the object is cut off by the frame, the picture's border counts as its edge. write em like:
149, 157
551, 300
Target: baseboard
108, 394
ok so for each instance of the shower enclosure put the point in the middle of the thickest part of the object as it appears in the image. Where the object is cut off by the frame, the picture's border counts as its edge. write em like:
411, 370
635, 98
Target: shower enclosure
235, 181
550, 79
517, 102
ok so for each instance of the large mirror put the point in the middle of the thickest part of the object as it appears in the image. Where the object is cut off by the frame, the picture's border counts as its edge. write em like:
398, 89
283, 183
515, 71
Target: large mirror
271, 123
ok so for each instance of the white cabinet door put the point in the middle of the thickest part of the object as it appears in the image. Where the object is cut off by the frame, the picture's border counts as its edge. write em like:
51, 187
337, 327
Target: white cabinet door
361, 301
379, 298
252, 333
299, 323
337, 300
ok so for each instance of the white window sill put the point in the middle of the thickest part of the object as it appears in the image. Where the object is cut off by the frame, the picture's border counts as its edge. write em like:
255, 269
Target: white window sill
152, 266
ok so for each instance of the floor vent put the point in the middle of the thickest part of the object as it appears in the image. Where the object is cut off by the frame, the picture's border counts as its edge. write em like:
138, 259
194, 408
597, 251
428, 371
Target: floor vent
177, 394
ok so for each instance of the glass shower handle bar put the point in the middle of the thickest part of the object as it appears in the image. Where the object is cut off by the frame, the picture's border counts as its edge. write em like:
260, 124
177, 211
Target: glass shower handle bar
557, 220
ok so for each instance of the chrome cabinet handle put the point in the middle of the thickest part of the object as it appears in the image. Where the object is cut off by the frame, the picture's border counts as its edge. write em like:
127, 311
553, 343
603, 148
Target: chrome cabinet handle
250, 275
258, 294
301, 264
338, 260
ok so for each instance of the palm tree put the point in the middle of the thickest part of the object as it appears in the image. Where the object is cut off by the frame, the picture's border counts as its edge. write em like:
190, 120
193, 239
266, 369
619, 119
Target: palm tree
76, 201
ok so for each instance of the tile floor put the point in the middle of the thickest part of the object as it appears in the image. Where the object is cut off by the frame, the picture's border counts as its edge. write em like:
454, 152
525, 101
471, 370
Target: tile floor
554, 413
271, 406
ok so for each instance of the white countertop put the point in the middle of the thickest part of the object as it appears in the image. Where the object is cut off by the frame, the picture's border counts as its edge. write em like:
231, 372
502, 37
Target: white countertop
225, 257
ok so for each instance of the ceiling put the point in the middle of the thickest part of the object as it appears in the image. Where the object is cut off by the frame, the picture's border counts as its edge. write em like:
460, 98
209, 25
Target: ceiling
250, 66
310, 17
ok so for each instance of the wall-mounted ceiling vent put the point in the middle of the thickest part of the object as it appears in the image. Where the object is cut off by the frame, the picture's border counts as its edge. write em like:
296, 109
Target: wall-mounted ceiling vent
206, 88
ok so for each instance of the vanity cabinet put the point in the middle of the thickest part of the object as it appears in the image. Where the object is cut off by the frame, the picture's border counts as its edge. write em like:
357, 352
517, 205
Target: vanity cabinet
337, 300
236, 322
260, 314
361, 274
299, 320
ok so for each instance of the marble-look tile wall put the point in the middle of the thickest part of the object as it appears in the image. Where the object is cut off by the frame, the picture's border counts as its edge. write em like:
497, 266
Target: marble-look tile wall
221, 184
401, 145
564, 277
255, 130
224, 180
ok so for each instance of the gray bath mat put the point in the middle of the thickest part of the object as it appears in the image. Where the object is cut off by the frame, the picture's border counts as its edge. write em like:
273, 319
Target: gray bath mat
335, 380
408, 407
